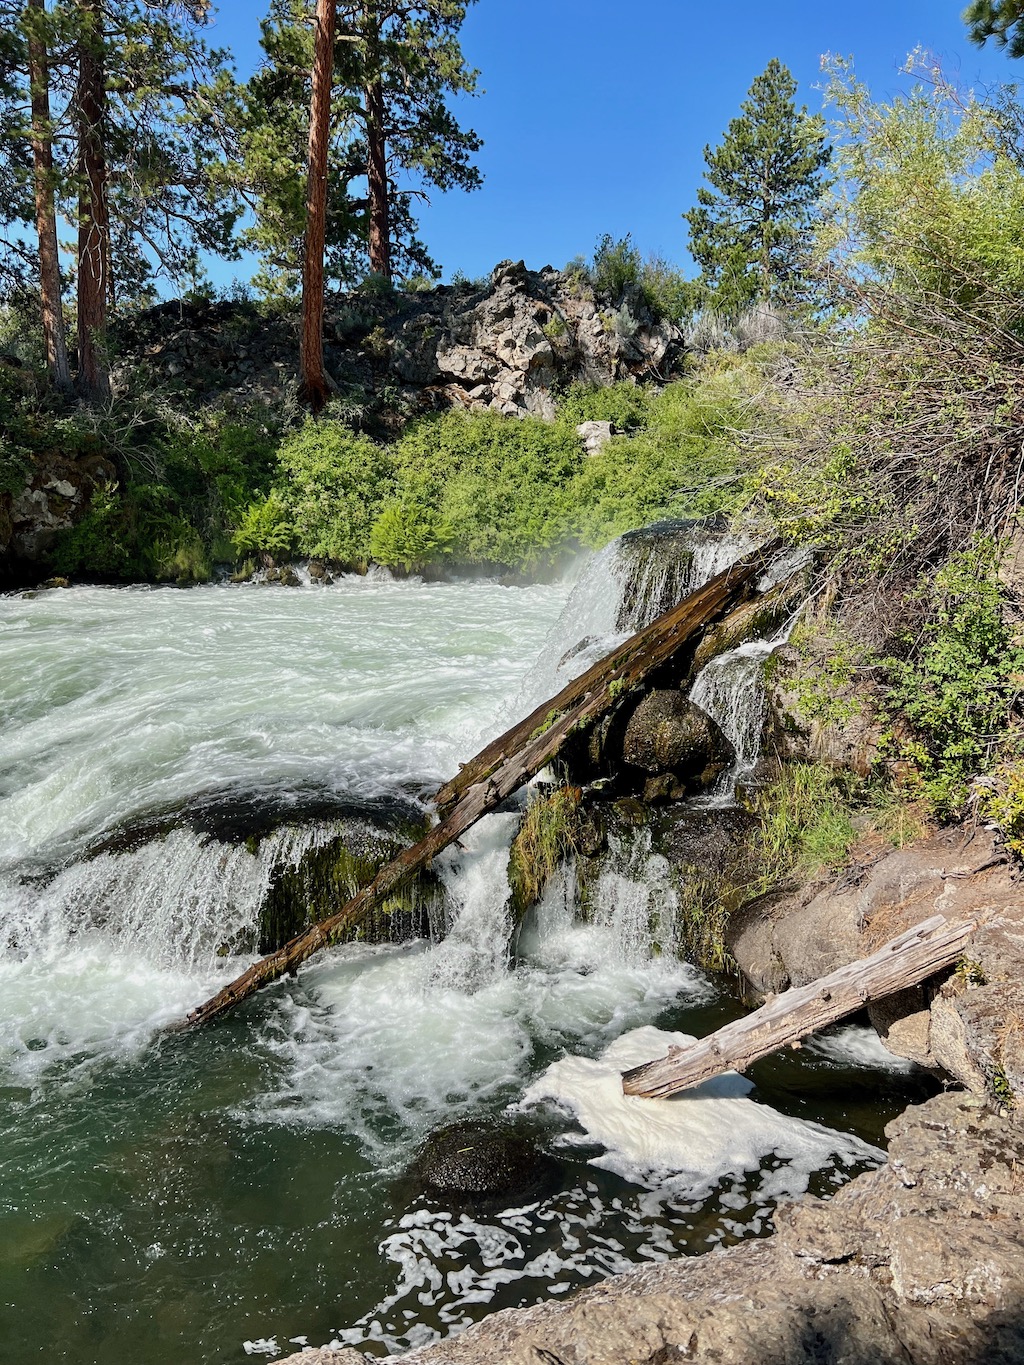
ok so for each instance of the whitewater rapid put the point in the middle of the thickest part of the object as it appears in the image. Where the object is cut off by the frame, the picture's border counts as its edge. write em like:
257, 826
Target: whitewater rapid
165, 753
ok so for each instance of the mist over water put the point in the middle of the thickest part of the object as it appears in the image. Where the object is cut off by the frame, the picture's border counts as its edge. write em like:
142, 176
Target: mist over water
164, 752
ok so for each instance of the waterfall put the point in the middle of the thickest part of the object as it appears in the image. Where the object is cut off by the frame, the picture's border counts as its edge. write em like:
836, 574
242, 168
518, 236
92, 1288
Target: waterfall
731, 689
182, 901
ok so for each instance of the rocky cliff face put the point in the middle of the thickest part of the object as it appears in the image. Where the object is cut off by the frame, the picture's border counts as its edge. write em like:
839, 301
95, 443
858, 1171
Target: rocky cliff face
503, 345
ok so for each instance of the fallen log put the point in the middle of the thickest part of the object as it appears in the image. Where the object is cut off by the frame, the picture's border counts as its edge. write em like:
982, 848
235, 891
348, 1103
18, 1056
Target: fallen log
787, 1018
681, 625
510, 761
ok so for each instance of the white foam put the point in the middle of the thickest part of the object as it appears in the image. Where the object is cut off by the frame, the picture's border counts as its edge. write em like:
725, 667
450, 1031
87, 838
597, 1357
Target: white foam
856, 1045
700, 1137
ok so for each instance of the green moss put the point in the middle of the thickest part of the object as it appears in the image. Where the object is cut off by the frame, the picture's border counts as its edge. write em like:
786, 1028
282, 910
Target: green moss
329, 876
547, 835
707, 901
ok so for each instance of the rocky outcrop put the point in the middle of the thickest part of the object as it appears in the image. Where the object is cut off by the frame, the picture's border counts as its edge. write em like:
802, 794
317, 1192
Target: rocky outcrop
55, 497
918, 1263
502, 345
970, 1026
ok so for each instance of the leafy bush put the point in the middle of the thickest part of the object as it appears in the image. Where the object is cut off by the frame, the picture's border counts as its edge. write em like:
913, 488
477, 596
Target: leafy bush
626, 405
334, 487
264, 528
616, 266
500, 483
960, 689
408, 535
805, 823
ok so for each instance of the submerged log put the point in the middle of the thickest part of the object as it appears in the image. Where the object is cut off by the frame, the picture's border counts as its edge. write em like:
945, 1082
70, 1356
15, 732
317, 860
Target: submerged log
787, 1018
510, 761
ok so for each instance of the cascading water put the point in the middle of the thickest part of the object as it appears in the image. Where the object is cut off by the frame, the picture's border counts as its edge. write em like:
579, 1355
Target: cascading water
731, 689
229, 1191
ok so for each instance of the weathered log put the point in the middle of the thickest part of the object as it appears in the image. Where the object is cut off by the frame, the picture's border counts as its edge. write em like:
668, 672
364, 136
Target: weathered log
507, 763
787, 1018
681, 625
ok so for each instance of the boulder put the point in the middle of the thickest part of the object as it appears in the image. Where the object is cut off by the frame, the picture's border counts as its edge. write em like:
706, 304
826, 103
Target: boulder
595, 435
476, 1161
668, 734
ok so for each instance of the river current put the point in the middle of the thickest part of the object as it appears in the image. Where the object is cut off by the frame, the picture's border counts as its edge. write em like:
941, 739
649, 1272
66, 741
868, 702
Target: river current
240, 1191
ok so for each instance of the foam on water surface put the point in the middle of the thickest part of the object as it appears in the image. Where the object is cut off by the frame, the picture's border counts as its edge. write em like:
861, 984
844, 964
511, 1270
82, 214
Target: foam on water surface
697, 1138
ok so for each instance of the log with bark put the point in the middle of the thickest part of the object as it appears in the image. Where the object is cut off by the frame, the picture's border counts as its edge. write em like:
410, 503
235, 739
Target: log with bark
511, 760
787, 1018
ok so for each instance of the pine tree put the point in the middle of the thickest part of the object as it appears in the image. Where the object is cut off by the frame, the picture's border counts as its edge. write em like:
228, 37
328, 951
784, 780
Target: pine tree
750, 231
395, 67
131, 88
313, 388
999, 19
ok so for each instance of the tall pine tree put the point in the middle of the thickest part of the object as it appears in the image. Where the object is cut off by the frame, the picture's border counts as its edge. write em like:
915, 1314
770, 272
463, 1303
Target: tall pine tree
392, 135
1002, 20
751, 230
107, 115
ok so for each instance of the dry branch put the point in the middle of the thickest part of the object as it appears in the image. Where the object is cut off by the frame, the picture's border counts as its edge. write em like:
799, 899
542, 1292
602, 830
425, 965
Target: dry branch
903, 962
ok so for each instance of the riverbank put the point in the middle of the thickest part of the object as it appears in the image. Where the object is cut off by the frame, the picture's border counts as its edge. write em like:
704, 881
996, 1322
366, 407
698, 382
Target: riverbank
918, 1263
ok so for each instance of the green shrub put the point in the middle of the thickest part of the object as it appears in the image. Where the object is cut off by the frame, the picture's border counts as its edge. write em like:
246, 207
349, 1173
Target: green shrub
334, 487
264, 528
408, 535
617, 264
499, 483
960, 688
805, 823
626, 405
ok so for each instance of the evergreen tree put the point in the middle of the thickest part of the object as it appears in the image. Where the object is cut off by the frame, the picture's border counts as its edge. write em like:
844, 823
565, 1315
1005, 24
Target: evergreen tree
130, 88
999, 19
392, 135
750, 231
314, 387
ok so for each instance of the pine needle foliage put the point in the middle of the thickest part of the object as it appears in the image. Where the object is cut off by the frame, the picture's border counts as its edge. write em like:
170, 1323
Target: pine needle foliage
750, 232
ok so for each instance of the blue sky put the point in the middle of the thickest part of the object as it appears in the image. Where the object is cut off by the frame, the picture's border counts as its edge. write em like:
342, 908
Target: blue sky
595, 113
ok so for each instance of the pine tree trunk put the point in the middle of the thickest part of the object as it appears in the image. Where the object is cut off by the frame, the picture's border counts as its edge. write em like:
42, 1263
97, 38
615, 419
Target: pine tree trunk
377, 158
377, 176
93, 225
46, 217
314, 387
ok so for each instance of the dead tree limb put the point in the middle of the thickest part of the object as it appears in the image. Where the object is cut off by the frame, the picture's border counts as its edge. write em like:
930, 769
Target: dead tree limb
905, 961
503, 766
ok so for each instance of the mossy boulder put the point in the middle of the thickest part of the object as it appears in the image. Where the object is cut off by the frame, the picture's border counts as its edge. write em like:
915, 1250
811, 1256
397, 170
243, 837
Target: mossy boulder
668, 734
330, 874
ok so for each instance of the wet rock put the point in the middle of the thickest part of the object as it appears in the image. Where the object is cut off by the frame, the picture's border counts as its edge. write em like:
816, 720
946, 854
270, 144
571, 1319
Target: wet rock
668, 734
288, 578
658, 567
478, 1161
758, 619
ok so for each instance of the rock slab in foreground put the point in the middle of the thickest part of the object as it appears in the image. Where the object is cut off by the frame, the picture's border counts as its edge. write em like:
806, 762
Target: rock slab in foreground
920, 1263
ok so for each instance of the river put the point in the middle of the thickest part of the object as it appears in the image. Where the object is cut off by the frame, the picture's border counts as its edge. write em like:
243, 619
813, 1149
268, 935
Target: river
238, 1192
